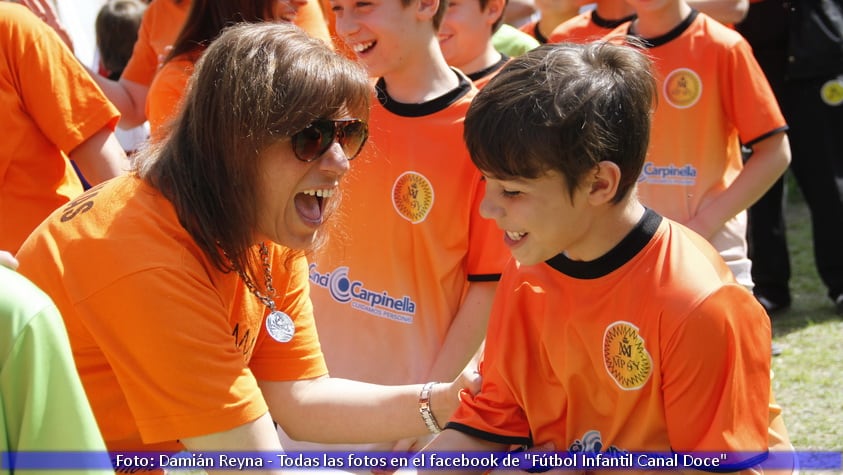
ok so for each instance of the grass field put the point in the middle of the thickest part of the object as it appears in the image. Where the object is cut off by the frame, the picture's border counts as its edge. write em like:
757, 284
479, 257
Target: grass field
808, 373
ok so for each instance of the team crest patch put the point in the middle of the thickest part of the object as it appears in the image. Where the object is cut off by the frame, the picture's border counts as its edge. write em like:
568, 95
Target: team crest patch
832, 92
412, 196
682, 88
625, 355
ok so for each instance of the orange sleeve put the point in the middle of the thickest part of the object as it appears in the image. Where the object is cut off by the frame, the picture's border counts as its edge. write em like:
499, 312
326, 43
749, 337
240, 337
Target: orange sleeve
494, 414
300, 358
747, 96
712, 402
172, 354
487, 253
159, 27
56, 92
166, 92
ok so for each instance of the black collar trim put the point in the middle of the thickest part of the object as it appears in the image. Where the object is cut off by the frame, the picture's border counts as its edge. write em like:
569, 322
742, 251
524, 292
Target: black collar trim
487, 71
609, 24
425, 108
670, 35
619, 255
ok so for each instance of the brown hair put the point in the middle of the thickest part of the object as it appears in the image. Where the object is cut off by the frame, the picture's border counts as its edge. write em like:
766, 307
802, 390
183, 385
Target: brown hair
116, 28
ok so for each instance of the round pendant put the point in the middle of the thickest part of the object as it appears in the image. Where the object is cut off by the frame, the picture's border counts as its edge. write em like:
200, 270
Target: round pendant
280, 326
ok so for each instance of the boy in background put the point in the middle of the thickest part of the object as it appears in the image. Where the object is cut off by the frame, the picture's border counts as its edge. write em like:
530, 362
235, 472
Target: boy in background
613, 329
466, 38
412, 268
713, 98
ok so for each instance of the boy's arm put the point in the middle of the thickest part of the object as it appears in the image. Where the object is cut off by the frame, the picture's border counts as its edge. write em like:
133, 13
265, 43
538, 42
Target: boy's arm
467, 331
770, 158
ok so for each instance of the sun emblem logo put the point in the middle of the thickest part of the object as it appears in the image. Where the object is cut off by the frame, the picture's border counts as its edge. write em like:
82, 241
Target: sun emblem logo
682, 88
412, 196
625, 355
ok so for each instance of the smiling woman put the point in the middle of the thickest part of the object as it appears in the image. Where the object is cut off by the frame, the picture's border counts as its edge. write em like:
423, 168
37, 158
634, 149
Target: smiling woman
184, 286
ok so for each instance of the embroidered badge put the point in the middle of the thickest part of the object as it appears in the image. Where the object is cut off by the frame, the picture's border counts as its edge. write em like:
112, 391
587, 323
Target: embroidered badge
682, 88
412, 196
832, 92
280, 326
625, 355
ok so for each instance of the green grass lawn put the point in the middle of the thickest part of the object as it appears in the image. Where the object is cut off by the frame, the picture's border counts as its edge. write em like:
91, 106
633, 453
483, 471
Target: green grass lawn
808, 373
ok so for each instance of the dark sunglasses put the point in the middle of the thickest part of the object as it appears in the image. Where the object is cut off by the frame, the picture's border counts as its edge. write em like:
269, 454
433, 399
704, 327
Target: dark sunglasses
315, 139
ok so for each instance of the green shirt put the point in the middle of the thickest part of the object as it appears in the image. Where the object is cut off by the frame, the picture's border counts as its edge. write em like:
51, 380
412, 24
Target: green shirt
43, 406
513, 42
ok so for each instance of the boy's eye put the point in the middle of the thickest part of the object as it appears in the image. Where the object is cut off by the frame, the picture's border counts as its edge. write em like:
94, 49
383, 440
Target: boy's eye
509, 193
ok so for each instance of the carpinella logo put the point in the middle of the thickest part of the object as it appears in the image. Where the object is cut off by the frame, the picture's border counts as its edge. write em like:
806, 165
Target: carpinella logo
345, 290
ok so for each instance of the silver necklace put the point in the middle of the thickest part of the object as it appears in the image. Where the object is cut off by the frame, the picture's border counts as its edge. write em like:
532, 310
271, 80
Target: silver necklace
279, 325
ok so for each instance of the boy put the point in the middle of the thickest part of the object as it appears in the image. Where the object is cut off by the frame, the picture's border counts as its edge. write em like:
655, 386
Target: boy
613, 329
412, 270
714, 97
466, 38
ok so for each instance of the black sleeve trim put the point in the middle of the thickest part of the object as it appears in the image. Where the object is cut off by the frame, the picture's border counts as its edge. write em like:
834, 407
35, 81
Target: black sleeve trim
484, 277
767, 135
488, 436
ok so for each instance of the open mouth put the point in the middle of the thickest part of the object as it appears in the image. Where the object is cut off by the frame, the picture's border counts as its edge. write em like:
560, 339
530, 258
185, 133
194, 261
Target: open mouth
310, 204
515, 236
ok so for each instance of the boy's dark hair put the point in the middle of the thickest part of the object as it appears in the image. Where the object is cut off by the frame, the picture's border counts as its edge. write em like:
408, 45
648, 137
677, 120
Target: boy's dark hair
565, 107
116, 28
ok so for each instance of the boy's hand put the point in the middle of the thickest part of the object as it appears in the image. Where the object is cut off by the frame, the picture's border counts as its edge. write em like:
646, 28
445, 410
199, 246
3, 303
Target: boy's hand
446, 397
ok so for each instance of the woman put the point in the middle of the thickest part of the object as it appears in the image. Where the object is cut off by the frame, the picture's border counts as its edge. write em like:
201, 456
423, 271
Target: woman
184, 286
205, 20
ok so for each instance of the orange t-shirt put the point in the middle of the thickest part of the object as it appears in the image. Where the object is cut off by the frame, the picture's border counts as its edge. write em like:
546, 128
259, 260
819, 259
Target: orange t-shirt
166, 93
167, 346
652, 347
159, 28
50, 106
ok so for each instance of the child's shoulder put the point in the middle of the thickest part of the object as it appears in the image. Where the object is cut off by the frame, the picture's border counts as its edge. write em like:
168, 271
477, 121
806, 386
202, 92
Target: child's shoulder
716, 32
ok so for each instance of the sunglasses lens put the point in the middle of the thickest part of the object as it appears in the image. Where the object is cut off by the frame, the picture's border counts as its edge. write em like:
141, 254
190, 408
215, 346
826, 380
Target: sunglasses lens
352, 137
312, 142
317, 138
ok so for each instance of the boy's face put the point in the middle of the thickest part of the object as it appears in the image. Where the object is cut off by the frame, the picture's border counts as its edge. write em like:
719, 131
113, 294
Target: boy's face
467, 29
538, 217
384, 34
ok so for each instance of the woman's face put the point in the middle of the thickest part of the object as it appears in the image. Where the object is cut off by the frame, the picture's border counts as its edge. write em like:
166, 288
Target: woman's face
294, 195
